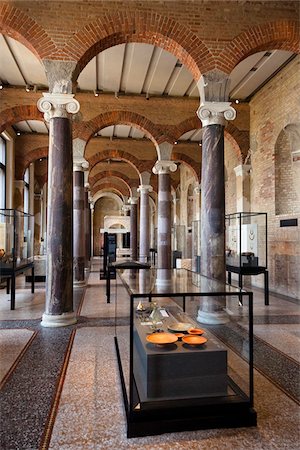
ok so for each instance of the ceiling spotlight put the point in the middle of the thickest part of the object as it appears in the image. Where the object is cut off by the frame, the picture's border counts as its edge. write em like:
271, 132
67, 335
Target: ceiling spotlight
175, 142
200, 144
18, 133
41, 159
1, 86
96, 93
27, 88
237, 101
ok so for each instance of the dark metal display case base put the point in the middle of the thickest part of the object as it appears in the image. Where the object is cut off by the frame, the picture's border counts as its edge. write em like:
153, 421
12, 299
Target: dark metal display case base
250, 270
10, 274
191, 415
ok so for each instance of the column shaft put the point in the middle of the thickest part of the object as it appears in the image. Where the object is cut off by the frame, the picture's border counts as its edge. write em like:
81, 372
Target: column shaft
133, 231
213, 203
79, 232
59, 287
144, 226
164, 222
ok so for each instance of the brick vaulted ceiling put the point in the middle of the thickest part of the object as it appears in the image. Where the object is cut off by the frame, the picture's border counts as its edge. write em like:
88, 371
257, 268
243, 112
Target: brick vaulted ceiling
142, 66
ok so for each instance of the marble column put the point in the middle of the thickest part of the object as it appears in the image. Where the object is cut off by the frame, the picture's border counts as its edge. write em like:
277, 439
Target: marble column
144, 191
164, 220
213, 116
87, 227
133, 228
79, 247
59, 268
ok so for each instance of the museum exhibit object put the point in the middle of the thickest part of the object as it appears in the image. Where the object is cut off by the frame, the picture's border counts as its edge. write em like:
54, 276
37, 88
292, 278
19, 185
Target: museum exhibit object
185, 355
16, 244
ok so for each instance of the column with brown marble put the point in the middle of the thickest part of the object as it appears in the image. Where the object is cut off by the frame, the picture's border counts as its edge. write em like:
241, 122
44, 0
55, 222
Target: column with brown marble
144, 190
163, 169
133, 227
213, 116
59, 270
87, 226
79, 247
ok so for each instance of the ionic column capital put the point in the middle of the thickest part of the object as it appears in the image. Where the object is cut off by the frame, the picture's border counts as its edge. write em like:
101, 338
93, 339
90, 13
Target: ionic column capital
133, 200
242, 170
80, 165
197, 189
215, 113
163, 166
145, 189
58, 105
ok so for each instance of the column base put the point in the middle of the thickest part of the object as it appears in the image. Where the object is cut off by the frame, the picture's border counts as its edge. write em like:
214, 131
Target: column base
212, 318
78, 284
59, 320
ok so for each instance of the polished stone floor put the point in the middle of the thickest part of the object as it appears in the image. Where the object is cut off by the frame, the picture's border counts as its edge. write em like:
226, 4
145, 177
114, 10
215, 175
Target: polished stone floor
60, 388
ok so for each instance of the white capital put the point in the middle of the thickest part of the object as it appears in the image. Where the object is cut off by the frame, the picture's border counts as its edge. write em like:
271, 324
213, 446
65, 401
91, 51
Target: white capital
217, 113
57, 105
162, 166
145, 188
133, 200
80, 165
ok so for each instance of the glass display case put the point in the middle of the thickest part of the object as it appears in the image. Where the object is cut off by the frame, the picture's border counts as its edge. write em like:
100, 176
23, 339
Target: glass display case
16, 246
246, 246
185, 355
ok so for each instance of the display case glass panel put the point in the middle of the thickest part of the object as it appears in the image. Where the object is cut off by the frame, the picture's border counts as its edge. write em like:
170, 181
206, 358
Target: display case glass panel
246, 239
187, 347
16, 238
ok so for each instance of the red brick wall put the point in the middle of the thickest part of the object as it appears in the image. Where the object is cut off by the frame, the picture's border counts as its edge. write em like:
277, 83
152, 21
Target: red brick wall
274, 107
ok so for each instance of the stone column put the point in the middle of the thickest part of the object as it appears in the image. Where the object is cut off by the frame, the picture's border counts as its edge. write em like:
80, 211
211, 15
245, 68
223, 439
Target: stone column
144, 191
59, 269
213, 116
164, 220
242, 173
78, 223
133, 228
92, 228
87, 227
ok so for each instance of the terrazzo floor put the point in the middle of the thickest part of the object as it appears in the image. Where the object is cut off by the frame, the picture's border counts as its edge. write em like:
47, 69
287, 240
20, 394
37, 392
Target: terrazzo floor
61, 388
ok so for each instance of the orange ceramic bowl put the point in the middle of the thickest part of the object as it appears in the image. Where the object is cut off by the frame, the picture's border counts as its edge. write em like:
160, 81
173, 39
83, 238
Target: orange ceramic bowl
197, 331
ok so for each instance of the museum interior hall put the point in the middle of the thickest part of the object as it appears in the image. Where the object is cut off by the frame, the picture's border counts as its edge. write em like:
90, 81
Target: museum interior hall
149, 224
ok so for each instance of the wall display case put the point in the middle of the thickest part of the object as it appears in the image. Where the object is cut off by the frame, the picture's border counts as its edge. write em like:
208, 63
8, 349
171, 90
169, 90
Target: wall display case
186, 355
246, 246
16, 247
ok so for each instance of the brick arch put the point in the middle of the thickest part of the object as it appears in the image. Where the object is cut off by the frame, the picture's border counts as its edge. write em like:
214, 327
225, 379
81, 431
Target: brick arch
23, 161
193, 165
143, 27
86, 130
109, 185
110, 174
18, 113
281, 34
108, 154
192, 123
18, 25
239, 141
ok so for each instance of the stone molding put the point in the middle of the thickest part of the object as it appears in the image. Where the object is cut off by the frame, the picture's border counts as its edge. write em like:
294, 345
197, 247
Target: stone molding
163, 166
145, 189
80, 165
133, 200
242, 170
58, 105
215, 113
